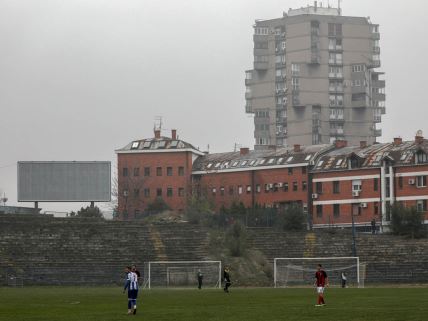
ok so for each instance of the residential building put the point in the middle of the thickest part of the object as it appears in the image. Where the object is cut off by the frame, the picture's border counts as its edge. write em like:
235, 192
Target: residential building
335, 184
315, 79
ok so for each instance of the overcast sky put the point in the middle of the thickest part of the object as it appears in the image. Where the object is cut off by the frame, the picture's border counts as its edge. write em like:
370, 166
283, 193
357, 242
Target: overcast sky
81, 78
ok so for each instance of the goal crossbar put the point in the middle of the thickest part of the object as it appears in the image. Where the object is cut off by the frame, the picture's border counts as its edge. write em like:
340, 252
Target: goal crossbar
356, 258
183, 262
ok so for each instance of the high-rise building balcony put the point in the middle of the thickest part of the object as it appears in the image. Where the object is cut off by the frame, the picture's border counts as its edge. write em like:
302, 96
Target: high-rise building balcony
261, 65
374, 64
359, 104
378, 83
378, 96
377, 118
375, 35
378, 132
336, 131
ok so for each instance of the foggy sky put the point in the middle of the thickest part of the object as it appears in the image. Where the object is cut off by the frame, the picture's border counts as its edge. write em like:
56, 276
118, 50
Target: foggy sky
81, 78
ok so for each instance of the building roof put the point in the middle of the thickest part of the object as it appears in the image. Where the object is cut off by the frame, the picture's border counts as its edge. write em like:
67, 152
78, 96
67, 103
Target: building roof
399, 154
157, 144
234, 161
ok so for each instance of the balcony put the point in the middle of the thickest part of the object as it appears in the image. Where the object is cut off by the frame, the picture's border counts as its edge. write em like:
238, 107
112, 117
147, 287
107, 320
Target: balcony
336, 118
382, 110
337, 75
374, 64
280, 36
378, 132
248, 95
378, 96
376, 50
261, 65
378, 83
315, 58
375, 35
336, 131
377, 118
359, 104
248, 82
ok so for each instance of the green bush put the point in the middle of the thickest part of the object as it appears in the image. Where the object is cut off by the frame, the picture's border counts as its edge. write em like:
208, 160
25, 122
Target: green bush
407, 221
291, 219
88, 212
157, 206
236, 239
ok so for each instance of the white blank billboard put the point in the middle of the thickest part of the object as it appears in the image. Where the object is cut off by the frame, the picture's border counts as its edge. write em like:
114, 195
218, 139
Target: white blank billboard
64, 181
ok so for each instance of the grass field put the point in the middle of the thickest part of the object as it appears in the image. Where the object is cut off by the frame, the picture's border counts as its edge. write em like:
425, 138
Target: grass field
105, 304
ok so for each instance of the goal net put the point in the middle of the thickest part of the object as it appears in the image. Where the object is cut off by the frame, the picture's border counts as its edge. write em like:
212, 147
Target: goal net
301, 271
181, 274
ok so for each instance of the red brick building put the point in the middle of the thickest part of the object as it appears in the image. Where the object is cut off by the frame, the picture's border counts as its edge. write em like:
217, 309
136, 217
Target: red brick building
334, 183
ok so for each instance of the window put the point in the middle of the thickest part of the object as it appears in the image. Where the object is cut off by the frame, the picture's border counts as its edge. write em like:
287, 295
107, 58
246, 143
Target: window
162, 144
147, 192
335, 44
421, 205
221, 190
375, 184
169, 171
356, 185
295, 83
295, 186
335, 72
376, 208
239, 189
159, 192
304, 186
147, 144
290, 171
334, 29
264, 31
319, 210
146, 171
136, 171
336, 210
258, 188
285, 187
181, 171
136, 192
421, 181
266, 188
135, 145
336, 100
400, 182
336, 187
174, 143
125, 172
169, 192
260, 45
318, 187
214, 191
295, 69
335, 58
158, 171
421, 157
231, 190
248, 189
181, 191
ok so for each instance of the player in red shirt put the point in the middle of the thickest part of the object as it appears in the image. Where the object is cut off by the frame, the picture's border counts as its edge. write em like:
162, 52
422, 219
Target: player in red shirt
321, 281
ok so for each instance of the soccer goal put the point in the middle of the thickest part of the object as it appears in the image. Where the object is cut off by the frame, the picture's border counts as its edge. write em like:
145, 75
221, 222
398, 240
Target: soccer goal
290, 272
181, 274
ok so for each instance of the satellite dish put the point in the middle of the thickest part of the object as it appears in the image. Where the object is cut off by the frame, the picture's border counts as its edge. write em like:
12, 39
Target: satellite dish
419, 133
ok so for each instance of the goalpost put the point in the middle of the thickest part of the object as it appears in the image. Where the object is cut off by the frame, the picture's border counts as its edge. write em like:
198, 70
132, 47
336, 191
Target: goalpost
300, 271
181, 274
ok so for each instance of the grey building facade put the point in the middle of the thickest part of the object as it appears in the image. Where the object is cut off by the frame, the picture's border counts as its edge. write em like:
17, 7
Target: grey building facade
314, 79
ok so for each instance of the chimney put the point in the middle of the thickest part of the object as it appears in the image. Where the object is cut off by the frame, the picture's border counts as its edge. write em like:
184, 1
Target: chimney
363, 144
157, 133
340, 143
244, 151
174, 134
419, 138
296, 148
398, 141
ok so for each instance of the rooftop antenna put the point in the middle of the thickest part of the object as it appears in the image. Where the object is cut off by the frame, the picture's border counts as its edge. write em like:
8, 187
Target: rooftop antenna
338, 7
158, 123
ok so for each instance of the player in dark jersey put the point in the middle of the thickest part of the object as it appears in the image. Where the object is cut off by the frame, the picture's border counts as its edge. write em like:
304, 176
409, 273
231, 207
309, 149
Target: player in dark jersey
321, 281
226, 278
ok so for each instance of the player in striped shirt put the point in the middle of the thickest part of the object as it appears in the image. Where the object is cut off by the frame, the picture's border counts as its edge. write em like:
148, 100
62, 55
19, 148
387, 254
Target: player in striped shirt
131, 284
321, 281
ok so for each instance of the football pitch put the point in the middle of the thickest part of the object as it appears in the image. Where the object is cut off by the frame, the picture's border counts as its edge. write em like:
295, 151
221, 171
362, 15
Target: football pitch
108, 303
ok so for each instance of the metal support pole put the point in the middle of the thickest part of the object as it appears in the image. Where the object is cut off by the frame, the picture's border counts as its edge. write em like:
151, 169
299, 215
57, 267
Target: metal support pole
354, 246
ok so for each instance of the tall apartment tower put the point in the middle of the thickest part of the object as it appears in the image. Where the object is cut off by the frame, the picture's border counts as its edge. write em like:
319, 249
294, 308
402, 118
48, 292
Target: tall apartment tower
314, 79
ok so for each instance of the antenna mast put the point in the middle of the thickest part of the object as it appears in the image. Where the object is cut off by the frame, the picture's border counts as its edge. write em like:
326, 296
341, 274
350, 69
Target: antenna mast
338, 7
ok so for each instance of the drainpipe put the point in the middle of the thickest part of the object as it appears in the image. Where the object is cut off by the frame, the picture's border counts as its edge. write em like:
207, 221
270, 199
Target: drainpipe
382, 197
